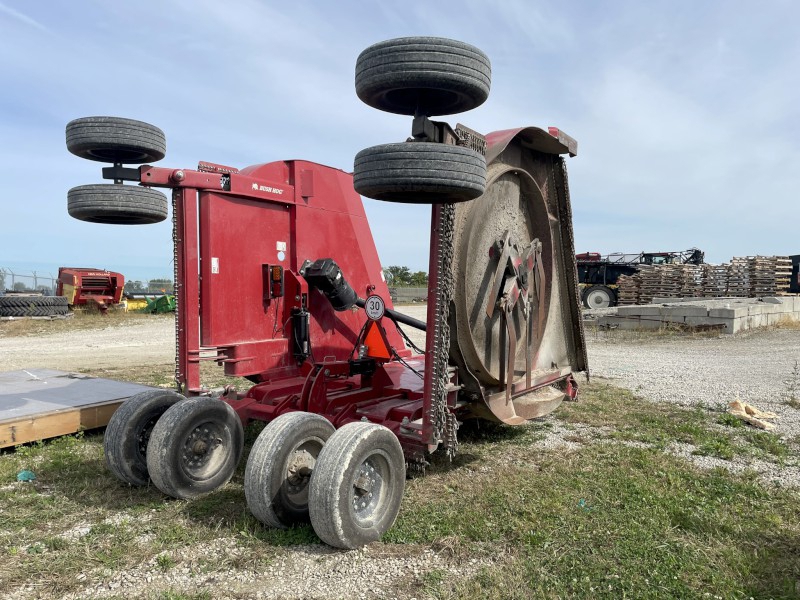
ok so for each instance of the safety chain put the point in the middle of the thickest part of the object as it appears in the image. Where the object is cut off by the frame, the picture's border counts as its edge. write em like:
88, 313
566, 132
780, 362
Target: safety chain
176, 284
444, 422
559, 175
451, 434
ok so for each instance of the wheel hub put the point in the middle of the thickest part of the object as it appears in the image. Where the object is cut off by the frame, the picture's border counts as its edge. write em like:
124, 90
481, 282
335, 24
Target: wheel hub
299, 470
200, 446
366, 490
598, 299
144, 436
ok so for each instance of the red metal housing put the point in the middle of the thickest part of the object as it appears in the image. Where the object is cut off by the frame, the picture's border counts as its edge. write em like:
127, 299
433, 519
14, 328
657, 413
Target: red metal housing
83, 286
241, 238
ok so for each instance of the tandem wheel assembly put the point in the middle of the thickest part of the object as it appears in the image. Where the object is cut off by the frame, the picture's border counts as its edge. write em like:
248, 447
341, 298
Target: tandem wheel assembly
423, 77
117, 141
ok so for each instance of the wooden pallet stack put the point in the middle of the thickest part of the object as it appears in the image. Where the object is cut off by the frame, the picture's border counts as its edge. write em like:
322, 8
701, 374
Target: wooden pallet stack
762, 275
691, 281
715, 280
769, 275
783, 274
738, 278
650, 285
743, 277
670, 281
629, 289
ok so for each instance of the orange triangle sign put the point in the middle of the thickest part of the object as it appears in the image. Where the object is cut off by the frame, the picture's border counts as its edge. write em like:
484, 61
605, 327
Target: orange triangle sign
376, 342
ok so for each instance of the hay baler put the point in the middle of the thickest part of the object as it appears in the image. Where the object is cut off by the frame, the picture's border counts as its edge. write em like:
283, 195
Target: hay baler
278, 281
90, 287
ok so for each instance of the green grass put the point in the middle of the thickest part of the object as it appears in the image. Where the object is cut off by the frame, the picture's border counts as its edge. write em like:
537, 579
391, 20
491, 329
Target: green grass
611, 519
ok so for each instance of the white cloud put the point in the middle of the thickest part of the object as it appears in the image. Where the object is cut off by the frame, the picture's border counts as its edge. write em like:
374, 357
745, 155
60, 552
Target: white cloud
22, 18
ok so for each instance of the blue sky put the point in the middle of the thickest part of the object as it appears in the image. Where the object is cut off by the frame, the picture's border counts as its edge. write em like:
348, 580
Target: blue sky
686, 113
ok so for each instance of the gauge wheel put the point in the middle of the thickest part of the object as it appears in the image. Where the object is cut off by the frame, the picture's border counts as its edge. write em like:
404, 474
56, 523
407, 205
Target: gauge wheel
279, 468
357, 485
116, 204
128, 433
423, 76
419, 173
115, 140
195, 447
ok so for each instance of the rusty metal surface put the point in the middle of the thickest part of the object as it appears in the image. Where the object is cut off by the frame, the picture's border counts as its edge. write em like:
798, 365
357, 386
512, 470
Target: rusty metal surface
539, 331
531, 138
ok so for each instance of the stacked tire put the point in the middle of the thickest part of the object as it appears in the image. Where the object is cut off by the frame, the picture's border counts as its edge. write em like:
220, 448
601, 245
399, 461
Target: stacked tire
421, 76
117, 141
33, 306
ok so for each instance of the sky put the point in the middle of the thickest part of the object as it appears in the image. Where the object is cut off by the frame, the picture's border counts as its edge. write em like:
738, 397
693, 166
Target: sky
686, 113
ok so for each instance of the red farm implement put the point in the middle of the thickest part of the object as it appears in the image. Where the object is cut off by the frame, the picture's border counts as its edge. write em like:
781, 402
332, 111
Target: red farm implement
278, 280
87, 287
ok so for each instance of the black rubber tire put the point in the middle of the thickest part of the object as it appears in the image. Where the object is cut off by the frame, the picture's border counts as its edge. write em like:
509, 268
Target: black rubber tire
598, 296
26, 301
342, 514
115, 140
423, 75
129, 430
117, 204
34, 311
419, 173
216, 436
33, 306
290, 443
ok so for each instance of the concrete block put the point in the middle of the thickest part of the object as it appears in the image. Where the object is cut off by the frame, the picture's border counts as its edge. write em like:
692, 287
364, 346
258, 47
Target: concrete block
629, 310
687, 311
736, 325
662, 300
652, 322
619, 323
753, 321
728, 313
707, 321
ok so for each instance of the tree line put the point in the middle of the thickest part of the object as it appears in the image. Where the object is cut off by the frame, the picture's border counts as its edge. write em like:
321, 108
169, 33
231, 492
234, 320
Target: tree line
149, 287
397, 276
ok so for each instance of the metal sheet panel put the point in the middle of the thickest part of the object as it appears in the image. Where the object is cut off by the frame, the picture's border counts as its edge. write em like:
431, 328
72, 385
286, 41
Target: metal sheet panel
28, 393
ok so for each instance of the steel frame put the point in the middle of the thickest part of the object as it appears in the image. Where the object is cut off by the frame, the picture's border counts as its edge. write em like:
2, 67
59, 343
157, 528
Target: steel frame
310, 200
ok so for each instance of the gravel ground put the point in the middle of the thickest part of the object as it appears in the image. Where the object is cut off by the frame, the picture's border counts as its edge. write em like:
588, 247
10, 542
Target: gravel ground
139, 342
756, 367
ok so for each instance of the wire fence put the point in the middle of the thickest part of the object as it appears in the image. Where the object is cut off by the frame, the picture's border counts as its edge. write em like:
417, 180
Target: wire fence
18, 280
27, 281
